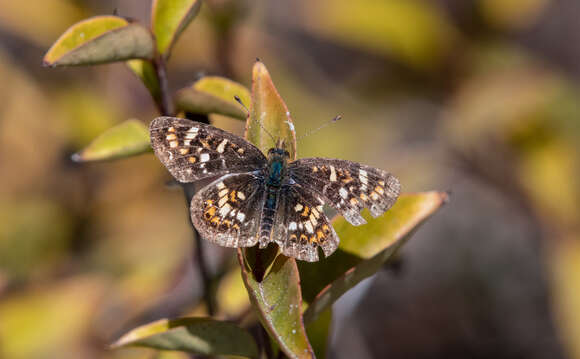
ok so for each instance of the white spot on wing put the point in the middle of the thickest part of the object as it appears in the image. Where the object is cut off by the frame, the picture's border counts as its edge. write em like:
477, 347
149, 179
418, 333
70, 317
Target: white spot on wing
298, 207
221, 185
241, 216
241, 195
309, 227
225, 209
332, 174
191, 133
343, 193
223, 192
204, 157
221, 147
362, 176
292, 226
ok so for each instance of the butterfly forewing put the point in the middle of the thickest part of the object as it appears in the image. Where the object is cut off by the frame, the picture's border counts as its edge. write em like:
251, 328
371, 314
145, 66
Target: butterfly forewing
193, 150
347, 186
301, 225
227, 211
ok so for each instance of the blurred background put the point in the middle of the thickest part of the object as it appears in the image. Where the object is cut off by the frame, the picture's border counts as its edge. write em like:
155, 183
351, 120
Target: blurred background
478, 97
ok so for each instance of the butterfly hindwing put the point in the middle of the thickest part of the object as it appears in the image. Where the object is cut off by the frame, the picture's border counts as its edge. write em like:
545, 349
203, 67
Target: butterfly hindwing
347, 186
193, 150
227, 211
301, 225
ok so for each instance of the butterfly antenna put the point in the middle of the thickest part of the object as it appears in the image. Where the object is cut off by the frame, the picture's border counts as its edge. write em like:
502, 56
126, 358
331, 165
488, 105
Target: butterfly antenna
334, 120
239, 100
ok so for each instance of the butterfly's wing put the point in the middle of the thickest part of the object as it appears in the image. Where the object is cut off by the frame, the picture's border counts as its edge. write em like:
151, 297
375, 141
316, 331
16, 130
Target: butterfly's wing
228, 210
194, 150
301, 225
347, 186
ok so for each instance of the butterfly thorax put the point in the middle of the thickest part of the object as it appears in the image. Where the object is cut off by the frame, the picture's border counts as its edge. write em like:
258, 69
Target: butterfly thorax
277, 160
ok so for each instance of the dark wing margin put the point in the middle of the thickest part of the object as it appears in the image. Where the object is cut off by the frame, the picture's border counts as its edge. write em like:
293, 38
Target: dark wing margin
193, 150
347, 186
227, 211
301, 225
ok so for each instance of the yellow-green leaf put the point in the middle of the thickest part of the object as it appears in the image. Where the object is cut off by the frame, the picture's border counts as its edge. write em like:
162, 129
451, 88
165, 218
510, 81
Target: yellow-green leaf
168, 20
126, 139
214, 94
364, 250
100, 39
145, 70
202, 336
269, 110
278, 302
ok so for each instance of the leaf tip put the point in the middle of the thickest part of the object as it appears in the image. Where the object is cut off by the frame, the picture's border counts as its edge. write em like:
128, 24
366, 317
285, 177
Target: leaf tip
47, 63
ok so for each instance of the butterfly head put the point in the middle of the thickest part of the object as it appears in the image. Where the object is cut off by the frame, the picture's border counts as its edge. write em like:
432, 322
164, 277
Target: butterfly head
279, 152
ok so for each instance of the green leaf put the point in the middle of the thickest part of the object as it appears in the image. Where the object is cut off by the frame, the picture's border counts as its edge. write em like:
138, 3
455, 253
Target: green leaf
319, 333
276, 295
202, 336
100, 39
269, 110
214, 94
168, 20
145, 70
126, 139
278, 302
364, 250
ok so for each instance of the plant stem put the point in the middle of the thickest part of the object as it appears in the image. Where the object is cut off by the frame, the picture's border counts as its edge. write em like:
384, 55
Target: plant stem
166, 104
166, 108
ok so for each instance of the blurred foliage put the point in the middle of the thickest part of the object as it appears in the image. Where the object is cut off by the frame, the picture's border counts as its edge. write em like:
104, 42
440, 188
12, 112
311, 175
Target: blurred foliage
446, 94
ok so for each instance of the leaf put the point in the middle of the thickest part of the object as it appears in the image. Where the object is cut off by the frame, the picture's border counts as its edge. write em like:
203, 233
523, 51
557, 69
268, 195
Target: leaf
414, 32
146, 72
564, 262
269, 110
168, 20
214, 94
319, 333
126, 139
276, 295
201, 336
100, 39
278, 300
33, 322
364, 250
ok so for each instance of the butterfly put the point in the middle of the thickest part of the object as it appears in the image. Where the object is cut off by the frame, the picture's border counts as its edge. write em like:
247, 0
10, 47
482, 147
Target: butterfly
258, 199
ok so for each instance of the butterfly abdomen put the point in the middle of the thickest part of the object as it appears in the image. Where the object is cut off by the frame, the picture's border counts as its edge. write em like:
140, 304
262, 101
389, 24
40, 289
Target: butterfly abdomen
268, 215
